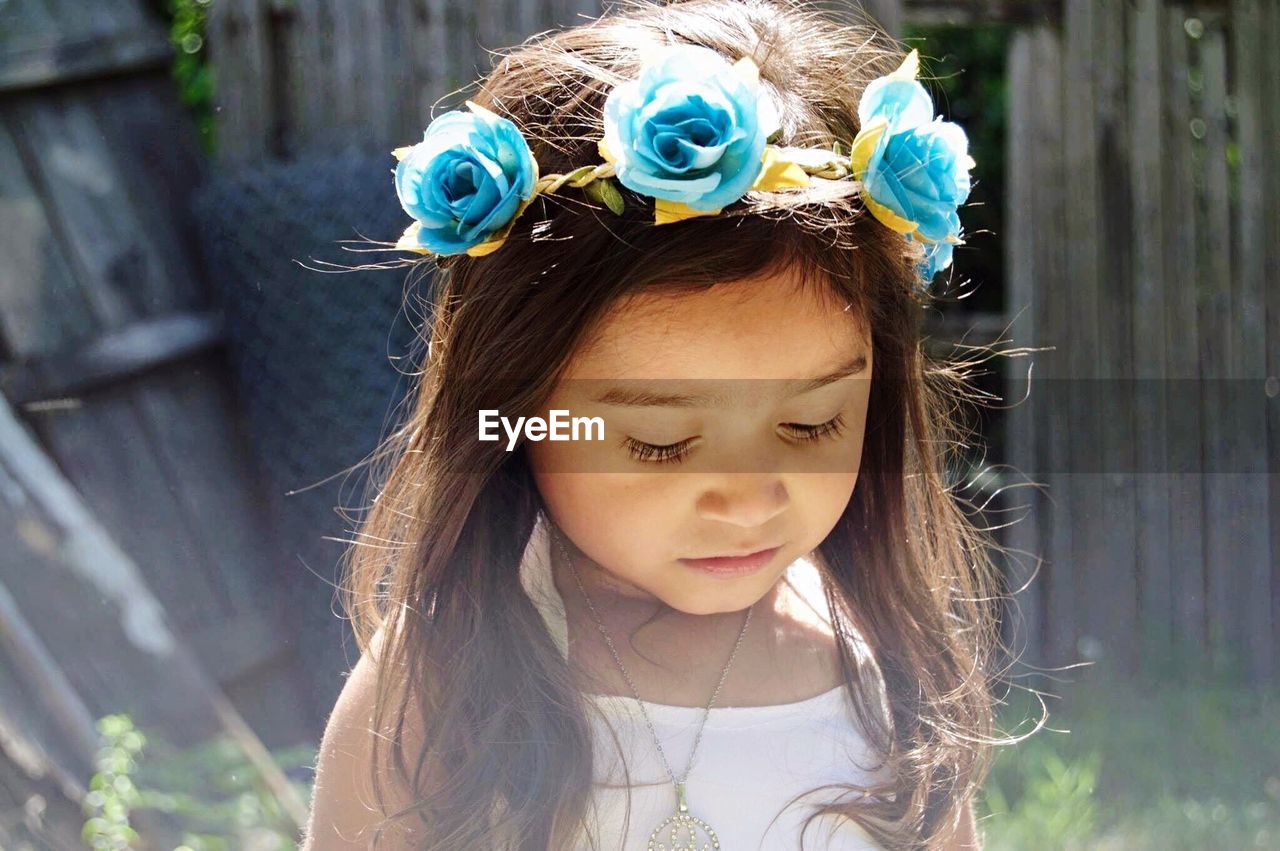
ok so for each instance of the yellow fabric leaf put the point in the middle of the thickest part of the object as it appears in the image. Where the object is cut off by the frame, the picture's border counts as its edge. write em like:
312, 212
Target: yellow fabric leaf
605, 152
409, 240
485, 247
779, 172
480, 110
665, 212
747, 70
909, 69
889, 217
864, 145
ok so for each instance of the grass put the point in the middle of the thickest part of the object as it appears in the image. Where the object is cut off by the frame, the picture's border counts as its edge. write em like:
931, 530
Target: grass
1188, 765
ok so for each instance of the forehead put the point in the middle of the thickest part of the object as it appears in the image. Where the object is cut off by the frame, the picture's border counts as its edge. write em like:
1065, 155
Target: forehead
764, 328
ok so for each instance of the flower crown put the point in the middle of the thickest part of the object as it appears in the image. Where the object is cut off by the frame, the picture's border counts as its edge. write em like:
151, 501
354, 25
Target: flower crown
694, 132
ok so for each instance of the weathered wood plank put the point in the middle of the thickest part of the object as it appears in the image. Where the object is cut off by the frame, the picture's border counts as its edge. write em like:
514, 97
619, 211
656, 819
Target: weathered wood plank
1271, 179
434, 32
157, 156
580, 9
1150, 369
1248, 318
348, 100
1182, 330
391, 70
111, 453
307, 76
462, 48
528, 18
1053, 439
1115, 351
240, 48
46, 681
1025, 300
64, 174
887, 13
1091, 573
27, 22
57, 61
1227, 493
27, 770
44, 43
236, 647
375, 78
41, 309
83, 570
93, 184
403, 63
1215, 311
495, 24
192, 418
112, 253
110, 359
978, 12
430, 61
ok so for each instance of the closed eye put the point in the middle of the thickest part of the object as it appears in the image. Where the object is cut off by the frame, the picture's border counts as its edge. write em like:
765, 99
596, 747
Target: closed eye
674, 453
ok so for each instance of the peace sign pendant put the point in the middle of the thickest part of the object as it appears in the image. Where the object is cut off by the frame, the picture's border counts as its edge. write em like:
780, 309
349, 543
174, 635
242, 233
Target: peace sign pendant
683, 831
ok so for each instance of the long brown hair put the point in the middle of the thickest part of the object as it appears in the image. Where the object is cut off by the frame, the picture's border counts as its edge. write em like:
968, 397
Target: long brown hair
507, 758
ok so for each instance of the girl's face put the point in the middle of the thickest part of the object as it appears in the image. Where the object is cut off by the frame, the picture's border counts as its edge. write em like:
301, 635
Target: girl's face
770, 461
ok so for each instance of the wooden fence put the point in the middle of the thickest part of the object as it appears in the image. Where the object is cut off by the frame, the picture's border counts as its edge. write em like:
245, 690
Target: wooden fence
141, 572
301, 75
1142, 232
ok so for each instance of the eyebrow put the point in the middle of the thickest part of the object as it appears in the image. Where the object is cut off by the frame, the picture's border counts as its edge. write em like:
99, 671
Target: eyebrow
647, 398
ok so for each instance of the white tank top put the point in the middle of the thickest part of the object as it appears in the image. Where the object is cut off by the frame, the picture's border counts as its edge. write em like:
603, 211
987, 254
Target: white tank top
751, 763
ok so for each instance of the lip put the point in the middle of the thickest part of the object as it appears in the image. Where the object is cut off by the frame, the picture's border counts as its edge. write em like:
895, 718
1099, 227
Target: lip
731, 566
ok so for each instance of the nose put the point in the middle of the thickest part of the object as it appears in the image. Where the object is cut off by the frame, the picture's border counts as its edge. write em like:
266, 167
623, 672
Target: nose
744, 499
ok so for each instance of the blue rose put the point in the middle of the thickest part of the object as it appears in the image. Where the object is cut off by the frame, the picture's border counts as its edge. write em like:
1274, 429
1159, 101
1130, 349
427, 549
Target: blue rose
937, 256
464, 183
914, 167
917, 177
690, 131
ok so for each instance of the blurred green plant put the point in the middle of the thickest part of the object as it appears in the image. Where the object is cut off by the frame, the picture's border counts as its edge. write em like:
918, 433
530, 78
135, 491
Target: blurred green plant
191, 67
1176, 765
210, 795
111, 791
1037, 795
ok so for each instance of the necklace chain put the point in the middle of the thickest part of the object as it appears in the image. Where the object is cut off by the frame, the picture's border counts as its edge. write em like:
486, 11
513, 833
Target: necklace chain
609, 641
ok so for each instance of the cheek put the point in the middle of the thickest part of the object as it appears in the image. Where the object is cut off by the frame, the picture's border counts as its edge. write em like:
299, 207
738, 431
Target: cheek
821, 492
617, 519
824, 497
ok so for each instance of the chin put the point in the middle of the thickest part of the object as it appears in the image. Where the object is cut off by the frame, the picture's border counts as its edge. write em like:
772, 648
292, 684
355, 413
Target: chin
711, 608
728, 600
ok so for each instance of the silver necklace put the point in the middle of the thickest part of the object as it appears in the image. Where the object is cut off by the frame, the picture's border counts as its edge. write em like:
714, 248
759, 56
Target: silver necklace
684, 831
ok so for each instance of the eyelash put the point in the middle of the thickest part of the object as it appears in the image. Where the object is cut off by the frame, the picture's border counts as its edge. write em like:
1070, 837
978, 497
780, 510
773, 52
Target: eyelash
674, 453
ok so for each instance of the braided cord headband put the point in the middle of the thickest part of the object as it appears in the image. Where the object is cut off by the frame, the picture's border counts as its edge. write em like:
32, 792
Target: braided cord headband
694, 132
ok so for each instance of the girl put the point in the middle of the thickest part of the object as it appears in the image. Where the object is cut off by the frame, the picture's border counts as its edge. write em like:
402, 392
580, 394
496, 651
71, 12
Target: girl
751, 615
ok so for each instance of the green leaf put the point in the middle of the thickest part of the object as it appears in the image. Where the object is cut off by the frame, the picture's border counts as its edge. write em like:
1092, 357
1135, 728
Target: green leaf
578, 173
606, 192
774, 136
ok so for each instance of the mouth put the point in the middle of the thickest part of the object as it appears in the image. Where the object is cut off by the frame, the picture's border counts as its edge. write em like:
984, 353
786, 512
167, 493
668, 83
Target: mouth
738, 565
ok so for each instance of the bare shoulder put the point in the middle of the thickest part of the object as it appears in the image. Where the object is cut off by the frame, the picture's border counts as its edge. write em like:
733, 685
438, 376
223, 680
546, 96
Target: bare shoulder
345, 813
